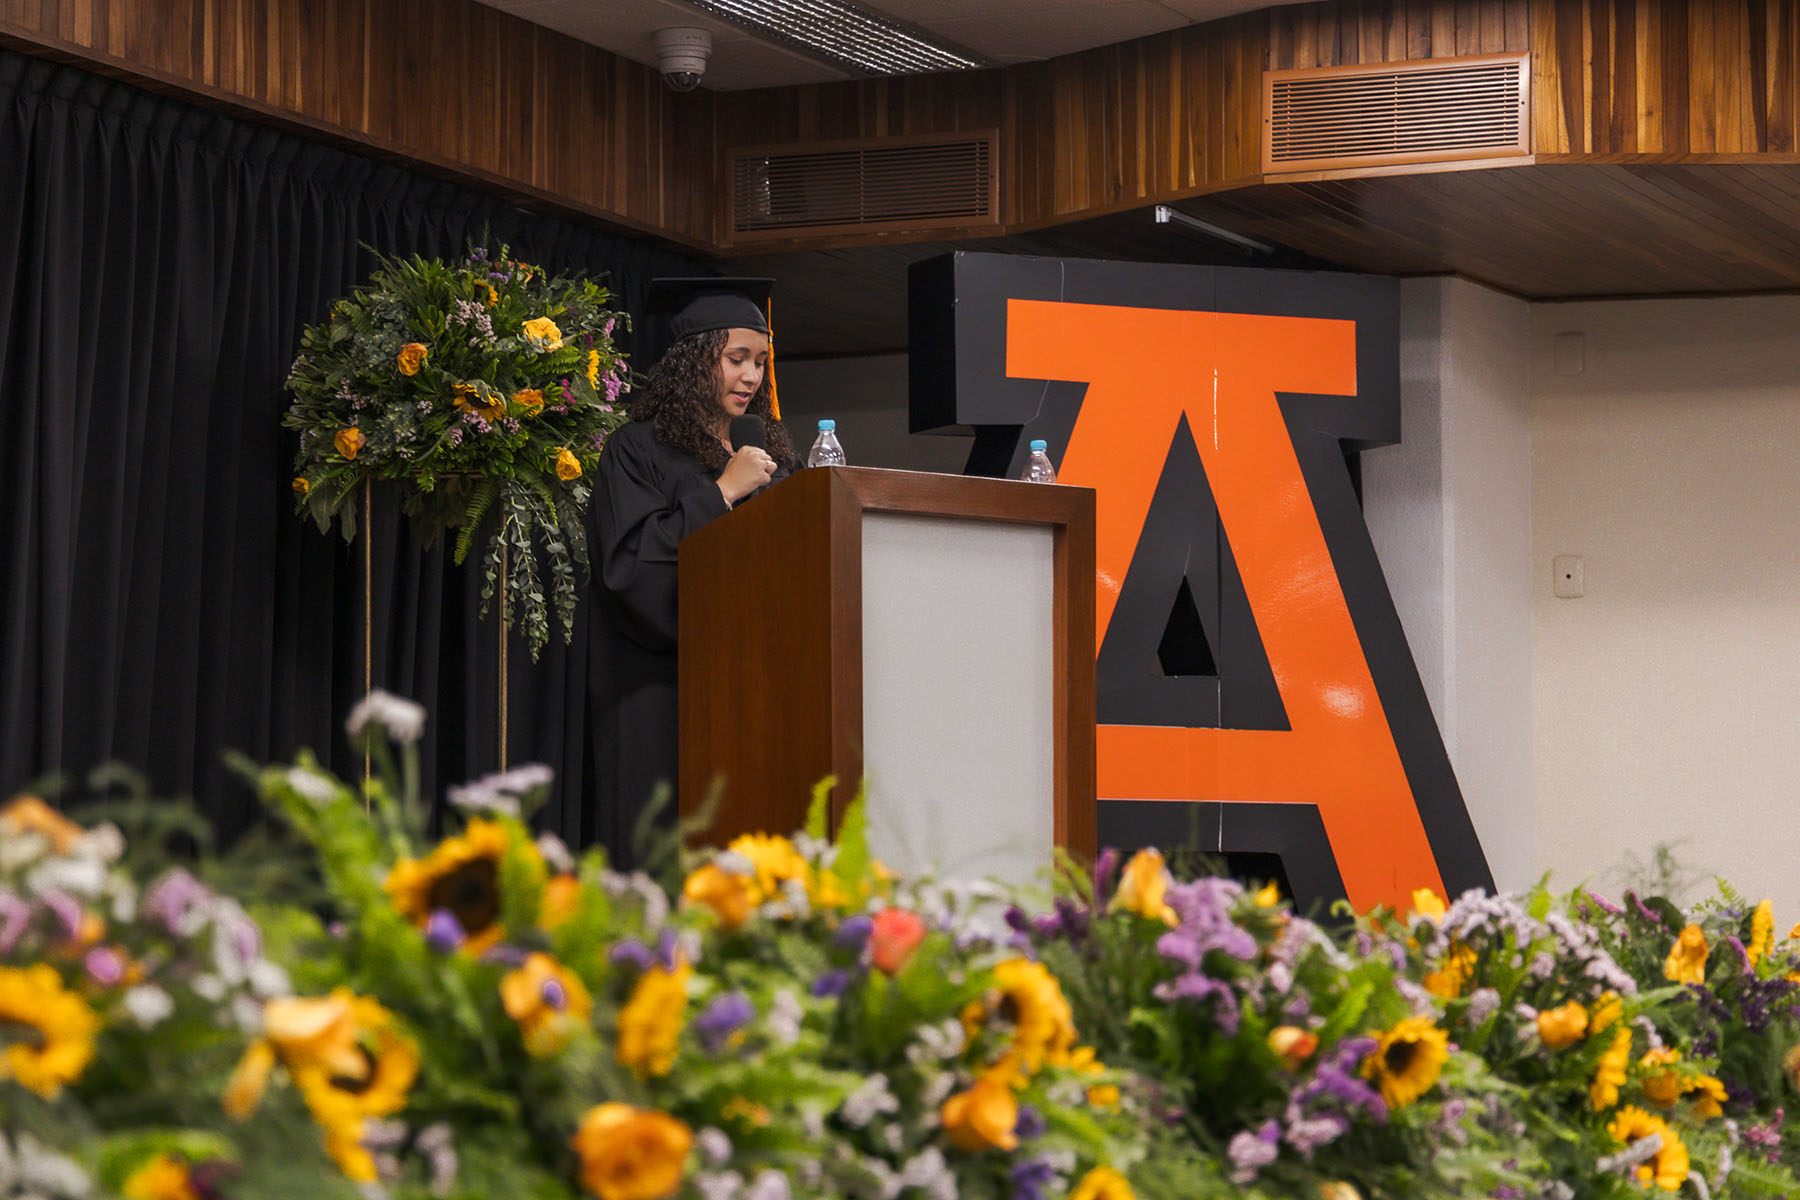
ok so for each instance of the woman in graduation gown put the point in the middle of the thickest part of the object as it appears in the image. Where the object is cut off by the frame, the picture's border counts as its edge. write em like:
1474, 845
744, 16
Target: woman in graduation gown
666, 473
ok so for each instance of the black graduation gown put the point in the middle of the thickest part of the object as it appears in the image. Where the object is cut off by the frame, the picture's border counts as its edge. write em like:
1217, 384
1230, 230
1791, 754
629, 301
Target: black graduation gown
648, 495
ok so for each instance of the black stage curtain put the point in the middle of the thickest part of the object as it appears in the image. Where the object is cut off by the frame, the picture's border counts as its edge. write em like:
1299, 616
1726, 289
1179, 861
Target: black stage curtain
160, 601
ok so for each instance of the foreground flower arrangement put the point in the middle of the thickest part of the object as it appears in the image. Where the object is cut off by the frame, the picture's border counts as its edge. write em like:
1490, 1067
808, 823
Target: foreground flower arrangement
486, 1015
482, 388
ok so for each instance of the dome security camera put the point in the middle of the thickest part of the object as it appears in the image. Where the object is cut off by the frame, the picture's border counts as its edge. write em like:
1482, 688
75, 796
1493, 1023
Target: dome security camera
681, 56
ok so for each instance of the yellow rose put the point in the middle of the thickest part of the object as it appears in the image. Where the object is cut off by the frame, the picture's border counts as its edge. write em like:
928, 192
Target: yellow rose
1337, 1189
567, 465
726, 894
542, 334
529, 399
411, 358
1559, 1027
1143, 886
1103, 1095
349, 441
1428, 903
1661, 1087
301, 487
984, 1116
1687, 957
631, 1153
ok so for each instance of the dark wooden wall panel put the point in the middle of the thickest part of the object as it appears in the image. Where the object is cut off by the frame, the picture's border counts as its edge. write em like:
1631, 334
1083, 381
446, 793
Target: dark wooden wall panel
451, 84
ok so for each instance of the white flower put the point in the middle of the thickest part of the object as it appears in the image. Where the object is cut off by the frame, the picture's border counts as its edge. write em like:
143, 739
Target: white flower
403, 720
870, 1097
501, 793
268, 980
556, 854
769, 1185
1482, 1003
148, 1005
19, 850
30, 1168
938, 1091
714, 1145
311, 785
783, 1021
440, 1152
723, 1186
101, 844
928, 1171
76, 876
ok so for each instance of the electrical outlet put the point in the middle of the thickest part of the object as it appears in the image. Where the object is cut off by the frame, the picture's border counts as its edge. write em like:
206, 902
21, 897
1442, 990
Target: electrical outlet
1568, 576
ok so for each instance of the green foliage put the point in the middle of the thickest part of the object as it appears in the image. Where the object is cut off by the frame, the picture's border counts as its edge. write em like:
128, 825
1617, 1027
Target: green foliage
441, 380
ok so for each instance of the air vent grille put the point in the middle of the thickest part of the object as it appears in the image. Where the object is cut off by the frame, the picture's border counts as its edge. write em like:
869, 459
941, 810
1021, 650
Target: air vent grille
1435, 111
892, 184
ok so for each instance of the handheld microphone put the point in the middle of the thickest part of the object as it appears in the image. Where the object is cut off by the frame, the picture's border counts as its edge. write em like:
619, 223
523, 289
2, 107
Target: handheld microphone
747, 430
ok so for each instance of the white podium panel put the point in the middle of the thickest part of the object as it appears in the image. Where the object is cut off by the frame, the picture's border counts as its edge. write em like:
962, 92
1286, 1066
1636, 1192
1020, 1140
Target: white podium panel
959, 734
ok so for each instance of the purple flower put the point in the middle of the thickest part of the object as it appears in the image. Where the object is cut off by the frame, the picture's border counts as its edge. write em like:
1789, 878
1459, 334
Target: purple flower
1031, 1123
105, 965
15, 914
1251, 1152
614, 385
599, 440
853, 933
443, 932
173, 899
722, 1018
1307, 1134
455, 435
555, 995
1204, 907
67, 910
633, 953
1603, 904
831, 983
1030, 1177
606, 329
1104, 866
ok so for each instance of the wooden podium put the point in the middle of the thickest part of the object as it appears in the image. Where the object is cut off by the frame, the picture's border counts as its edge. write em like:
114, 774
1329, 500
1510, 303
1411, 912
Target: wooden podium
935, 632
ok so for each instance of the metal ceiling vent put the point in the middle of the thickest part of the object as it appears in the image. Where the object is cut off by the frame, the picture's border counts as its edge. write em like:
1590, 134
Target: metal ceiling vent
1396, 114
887, 183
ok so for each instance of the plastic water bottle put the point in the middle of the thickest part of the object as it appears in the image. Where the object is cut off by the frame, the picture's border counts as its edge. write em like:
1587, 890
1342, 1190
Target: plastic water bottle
1038, 468
825, 449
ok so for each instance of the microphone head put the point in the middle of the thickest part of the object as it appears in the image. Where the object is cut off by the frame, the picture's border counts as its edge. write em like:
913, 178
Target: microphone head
747, 430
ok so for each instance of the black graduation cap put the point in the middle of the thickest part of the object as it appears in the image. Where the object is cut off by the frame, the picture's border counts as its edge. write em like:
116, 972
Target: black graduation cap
680, 306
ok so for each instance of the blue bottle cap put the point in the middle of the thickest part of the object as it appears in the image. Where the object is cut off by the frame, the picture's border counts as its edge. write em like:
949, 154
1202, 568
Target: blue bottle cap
1039, 444
827, 426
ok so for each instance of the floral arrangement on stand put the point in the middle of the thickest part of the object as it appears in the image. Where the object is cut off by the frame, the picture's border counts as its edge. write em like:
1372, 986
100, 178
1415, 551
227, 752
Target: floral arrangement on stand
485, 1014
485, 386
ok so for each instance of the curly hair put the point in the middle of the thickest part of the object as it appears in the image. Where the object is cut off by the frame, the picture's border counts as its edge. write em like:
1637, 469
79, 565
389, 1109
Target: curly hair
680, 398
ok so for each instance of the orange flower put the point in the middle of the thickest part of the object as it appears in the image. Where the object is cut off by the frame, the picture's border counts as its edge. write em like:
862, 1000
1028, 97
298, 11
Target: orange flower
895, 935
548, 1002
1102, 1183
28, 814
1143, 886
411, 358
1428, 903
301, 487
1292, 1045
1687, 957
631, 1153
1459, 965
1661, 1088
567, 465
163, 1177
983, 1117
1564, 1026
561, 900
529, 399
726, 894
349, 441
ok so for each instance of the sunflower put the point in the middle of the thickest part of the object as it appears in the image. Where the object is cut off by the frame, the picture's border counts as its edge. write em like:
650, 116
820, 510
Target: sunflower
460, 876
50, 1031
1029, 998
1407, 1060
775, 860
346, 1058
1609, 1075
1668, 1167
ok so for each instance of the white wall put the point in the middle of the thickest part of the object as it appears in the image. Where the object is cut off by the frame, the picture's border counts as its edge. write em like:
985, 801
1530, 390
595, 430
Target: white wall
1449, 512
1666, 708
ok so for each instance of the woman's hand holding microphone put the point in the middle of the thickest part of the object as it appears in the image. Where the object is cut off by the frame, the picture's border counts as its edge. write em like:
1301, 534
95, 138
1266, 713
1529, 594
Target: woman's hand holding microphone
750, 467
